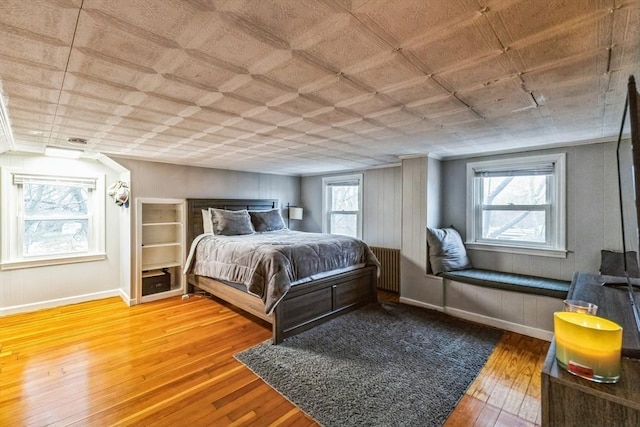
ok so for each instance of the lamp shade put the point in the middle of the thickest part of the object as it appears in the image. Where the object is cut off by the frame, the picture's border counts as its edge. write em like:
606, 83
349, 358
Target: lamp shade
295, 212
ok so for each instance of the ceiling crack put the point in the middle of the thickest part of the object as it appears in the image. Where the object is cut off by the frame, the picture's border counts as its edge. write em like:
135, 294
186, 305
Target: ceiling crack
64, 75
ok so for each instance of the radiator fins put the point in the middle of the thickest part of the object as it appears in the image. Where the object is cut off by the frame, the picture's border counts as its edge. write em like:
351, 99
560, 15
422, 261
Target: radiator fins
389, 258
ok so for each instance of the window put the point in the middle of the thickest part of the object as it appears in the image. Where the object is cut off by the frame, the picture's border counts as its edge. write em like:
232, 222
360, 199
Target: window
342, 205
517, 205
52, 219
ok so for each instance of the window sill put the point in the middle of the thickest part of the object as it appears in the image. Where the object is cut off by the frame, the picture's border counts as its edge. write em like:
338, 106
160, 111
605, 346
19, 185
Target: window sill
45, 262
521, 250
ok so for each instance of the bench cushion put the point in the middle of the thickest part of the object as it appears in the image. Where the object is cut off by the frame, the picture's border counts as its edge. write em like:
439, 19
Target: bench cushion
511, 282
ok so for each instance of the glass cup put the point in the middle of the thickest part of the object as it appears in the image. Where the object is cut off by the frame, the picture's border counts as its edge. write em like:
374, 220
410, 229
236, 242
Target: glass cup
579, 306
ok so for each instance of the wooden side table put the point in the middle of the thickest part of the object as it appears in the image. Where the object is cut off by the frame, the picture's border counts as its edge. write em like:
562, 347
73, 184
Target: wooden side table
568, 400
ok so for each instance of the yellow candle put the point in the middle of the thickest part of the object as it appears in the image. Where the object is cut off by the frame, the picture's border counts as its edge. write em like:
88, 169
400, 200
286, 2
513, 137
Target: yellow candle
588, 346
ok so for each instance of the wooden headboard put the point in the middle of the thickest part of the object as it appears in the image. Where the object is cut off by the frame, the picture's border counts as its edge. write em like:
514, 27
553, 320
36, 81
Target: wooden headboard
195, 206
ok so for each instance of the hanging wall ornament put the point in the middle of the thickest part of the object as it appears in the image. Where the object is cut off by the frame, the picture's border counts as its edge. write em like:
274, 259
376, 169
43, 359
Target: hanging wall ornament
119, 191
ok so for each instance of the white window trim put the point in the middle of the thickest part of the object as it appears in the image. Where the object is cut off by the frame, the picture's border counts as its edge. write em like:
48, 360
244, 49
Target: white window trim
325, 203
10, 258
559, 244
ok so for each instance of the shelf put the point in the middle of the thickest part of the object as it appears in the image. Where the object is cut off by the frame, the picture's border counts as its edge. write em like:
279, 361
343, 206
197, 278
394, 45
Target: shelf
161, 295
160, 241
161, 265
160, 245
160, 212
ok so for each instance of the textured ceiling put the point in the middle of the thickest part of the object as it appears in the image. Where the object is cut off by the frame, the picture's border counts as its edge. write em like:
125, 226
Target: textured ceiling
302, 87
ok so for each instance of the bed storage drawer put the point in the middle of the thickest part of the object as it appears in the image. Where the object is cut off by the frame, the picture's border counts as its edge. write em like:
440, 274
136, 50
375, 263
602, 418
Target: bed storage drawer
349, 293
309, 305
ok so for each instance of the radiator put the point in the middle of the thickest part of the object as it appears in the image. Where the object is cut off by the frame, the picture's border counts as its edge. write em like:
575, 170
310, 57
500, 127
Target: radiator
390, 268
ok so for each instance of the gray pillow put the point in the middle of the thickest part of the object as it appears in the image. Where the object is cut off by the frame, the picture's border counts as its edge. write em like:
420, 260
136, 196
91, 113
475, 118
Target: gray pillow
446, 250
612, 263
270, 220
230, 223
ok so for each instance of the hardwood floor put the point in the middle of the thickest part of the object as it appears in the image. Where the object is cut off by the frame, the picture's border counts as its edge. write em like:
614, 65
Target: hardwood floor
170, 362
507, 390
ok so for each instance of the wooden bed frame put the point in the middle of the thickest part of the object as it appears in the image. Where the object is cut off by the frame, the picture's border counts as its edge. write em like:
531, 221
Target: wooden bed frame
305, 305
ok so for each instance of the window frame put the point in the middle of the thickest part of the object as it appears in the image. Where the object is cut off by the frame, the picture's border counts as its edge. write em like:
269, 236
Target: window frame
13, 222
327, 182
556, 220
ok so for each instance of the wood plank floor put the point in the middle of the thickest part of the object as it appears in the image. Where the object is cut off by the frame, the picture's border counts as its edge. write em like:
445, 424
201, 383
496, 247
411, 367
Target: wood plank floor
170, 362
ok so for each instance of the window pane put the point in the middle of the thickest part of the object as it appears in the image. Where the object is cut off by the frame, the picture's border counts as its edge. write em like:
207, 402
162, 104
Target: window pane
344, 198
59, 236
55, 219
517, 190
514, 225
345, 224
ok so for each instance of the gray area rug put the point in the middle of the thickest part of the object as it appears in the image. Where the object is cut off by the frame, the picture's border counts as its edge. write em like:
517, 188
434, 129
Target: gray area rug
381, 365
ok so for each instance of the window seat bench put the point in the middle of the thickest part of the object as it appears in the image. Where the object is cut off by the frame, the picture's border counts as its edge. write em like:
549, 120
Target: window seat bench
513, 302
511, 282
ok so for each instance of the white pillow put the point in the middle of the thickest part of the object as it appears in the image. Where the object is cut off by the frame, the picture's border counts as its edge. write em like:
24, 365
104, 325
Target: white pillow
207, 225
446, 250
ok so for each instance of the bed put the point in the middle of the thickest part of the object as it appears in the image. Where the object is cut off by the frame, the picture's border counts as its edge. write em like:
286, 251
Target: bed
305, 304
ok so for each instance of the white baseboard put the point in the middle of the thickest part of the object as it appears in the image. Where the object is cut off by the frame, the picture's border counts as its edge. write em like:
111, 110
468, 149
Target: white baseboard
417, 303
63, 301
502, 324
127, 298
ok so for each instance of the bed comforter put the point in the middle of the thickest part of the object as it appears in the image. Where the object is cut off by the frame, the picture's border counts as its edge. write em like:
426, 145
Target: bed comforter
268, 263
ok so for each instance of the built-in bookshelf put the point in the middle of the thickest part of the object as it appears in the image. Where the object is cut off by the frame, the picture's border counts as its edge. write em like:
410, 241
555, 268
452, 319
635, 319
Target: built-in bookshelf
160, 248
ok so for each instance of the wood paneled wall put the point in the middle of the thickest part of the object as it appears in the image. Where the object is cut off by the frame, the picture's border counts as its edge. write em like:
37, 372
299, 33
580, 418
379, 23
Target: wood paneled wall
418, 199
382, 201
382, 207
592, 211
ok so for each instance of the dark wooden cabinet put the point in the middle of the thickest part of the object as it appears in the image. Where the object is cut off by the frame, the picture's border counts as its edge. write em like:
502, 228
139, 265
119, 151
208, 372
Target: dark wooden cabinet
568, 400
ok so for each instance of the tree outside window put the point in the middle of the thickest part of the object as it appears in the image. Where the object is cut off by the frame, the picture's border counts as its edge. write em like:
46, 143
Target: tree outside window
342, 205
344, 210
51, 219
515, 208
56, 219
517, 205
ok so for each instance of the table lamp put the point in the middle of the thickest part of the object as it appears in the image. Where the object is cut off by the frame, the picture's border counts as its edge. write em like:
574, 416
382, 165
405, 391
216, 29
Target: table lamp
295, 212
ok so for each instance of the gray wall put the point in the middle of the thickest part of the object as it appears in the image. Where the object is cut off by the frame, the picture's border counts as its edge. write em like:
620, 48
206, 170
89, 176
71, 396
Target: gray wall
27, 289
164, 180
150, 179
414, 223
49, 286
421, 200
382, 205
592, 211
434, 192
593, 218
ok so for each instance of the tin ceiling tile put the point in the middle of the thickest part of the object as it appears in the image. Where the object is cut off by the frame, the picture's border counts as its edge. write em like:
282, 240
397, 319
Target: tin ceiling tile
388, 77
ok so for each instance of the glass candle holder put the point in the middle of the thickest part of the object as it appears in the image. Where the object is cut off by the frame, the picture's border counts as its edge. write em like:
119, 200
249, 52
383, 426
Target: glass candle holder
579, 306
588, 346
